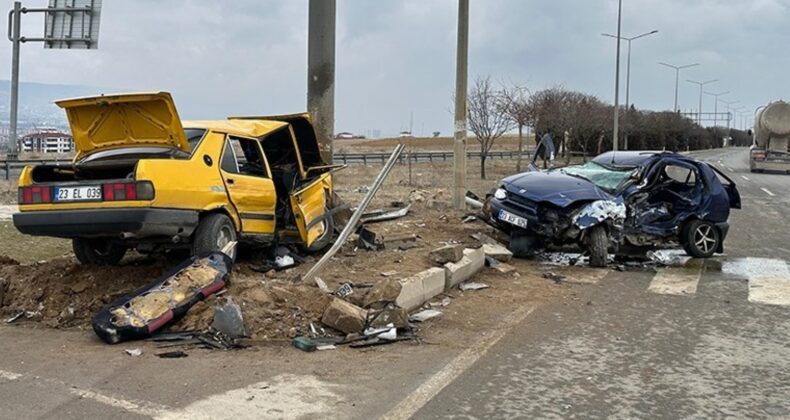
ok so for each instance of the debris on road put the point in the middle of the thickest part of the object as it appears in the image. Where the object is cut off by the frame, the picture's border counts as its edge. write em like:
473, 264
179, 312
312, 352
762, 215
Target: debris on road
669, 257
504, 268
344, 290
448, 253
229, 320
304, 343
344, 316
472, 286
148, 309
556, 278
383, 215
424, 315
172, 355
367, 240
134, 352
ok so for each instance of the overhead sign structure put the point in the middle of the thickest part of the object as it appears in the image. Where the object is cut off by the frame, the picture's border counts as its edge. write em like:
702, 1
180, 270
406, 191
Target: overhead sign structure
69, 24
72, 24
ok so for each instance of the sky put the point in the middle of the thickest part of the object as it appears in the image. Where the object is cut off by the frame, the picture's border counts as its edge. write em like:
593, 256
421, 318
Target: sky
396, 58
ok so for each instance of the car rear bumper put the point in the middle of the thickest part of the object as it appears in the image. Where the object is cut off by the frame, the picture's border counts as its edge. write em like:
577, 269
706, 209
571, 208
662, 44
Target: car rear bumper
126, 222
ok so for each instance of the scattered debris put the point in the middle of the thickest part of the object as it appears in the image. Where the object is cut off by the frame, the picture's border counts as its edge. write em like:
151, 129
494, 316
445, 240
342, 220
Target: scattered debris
134, 352
382, 293
172, 354
669, 257
491, 262
389, 273
444, 302
344, 316
472, 286
388, 332
400, 242
390, 315
469, 219
14, 317
304, 343
504, 268
367, 240
473, 200
385, 214
556, 278
216, 339
322, 285
229, 320
447, 253
424, 315
143, 311
67, 314
326, 347
344, 290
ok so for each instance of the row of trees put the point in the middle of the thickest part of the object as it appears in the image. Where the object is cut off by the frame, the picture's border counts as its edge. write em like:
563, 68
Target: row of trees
577, 121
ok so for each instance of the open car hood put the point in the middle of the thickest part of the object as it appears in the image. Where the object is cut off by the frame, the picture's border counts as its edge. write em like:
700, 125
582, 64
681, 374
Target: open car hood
138, 119
553, 187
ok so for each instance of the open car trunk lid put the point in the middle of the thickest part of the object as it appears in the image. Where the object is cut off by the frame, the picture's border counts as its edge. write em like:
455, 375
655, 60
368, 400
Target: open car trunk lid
127, 120
305, 136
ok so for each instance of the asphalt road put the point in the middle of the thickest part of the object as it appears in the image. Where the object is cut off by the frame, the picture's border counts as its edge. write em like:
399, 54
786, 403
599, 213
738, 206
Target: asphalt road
701, 341
711, 351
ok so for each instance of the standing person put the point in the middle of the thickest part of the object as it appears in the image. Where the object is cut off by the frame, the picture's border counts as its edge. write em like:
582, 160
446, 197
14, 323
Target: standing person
546, 150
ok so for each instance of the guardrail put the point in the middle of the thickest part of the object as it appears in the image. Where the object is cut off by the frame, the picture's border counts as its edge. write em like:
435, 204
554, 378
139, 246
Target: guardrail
371, 158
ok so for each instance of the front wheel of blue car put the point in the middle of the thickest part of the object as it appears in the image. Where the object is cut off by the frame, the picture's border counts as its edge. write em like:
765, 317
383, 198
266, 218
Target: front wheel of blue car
598, 245
700, 238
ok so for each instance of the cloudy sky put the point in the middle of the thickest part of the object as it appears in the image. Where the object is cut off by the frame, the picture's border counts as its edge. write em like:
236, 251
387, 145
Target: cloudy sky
396, 57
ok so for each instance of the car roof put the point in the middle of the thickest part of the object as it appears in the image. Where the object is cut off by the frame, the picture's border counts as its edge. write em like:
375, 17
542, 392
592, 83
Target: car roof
629, 158
244, 128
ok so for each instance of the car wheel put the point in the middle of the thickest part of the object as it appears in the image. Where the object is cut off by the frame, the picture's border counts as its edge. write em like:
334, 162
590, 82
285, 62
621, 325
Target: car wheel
97, 251
700, 238
325, 239
598, 245
212, 234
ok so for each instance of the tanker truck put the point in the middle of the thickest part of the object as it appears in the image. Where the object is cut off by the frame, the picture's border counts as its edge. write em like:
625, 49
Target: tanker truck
771, 144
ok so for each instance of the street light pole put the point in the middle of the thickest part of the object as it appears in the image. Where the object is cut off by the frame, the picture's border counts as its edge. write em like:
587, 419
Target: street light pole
677, 78
14, 147
701, 86
716, 108
615, 131
727, 105
459, 143
628, 72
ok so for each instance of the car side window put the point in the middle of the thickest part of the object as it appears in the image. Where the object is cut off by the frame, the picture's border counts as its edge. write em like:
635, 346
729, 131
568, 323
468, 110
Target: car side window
228, 163
249, 159
681, 174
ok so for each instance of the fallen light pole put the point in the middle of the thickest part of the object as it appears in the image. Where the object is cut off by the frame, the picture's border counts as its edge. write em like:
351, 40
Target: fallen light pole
352, 222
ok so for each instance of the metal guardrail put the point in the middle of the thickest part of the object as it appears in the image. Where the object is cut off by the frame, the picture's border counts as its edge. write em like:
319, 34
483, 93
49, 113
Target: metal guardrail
371, 158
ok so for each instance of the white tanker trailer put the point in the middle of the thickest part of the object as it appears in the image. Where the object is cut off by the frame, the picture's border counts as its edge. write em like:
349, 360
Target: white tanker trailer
771, 145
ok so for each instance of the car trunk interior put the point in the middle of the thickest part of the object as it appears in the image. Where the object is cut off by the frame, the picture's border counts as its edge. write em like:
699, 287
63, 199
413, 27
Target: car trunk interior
60, 173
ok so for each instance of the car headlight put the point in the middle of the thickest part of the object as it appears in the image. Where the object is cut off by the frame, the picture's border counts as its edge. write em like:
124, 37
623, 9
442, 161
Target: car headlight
500, 194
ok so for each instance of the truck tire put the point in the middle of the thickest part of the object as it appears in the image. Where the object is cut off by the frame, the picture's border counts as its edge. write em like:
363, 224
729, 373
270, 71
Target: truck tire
212, 234
700, 238
598, 246
325, 239
97, 251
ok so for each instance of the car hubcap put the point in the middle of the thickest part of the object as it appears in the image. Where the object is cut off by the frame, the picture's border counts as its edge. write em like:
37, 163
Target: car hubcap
225, 236
704, 238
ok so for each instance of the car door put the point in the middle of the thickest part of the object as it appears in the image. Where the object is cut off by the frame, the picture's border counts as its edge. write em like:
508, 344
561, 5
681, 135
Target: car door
309, 204
248, 181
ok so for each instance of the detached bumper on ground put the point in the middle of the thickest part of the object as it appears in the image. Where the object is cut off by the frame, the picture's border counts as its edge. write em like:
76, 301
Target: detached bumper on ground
139, 222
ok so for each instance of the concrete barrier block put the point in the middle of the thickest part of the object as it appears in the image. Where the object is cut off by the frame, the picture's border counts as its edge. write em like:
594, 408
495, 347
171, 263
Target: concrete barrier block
497, 252
344, 316
412, 294
472, 262
433, 281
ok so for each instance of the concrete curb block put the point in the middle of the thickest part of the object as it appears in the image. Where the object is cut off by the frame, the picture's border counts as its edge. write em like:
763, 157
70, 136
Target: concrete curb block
421, 287
472, 262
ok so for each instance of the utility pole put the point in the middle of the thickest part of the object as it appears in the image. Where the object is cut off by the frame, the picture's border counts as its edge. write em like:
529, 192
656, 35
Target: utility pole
615, 133
716, 109
677, 79
628, 73
321, 72
701, 86
13, 144
459, 143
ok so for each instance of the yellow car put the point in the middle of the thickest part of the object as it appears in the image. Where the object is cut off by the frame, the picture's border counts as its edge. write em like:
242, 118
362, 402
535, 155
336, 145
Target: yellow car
144, 179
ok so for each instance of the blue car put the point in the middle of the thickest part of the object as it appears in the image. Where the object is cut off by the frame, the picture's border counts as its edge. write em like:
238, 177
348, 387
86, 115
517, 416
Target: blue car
619, 199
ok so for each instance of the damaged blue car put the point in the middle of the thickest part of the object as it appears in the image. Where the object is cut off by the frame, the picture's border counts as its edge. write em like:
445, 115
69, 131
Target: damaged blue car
618, 200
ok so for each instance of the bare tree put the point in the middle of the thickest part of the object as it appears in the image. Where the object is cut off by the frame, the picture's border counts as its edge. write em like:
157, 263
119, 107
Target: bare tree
487, 120
517, 105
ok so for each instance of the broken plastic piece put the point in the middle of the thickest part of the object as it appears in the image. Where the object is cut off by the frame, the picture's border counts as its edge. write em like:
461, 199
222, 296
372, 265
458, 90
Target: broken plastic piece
229, 320
473, 286
134, 352
304, 343
424, 315
388, 333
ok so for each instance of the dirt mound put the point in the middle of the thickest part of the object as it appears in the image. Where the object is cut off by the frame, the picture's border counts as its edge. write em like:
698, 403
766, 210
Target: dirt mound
4, 260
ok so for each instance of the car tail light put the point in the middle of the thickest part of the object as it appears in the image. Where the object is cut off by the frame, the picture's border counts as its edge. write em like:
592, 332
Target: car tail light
125, 191
35, 195
758, 154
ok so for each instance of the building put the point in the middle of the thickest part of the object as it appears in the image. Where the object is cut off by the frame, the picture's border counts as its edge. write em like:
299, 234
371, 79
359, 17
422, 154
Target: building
48, 141
345, 135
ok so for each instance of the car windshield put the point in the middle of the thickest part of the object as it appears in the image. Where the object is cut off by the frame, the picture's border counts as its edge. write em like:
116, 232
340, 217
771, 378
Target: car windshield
606, 178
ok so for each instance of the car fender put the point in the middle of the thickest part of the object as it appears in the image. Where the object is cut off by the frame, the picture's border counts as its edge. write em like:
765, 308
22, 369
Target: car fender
600, 211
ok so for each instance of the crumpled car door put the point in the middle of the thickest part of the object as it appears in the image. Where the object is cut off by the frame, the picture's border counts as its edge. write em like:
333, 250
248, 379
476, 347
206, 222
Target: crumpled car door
309, 205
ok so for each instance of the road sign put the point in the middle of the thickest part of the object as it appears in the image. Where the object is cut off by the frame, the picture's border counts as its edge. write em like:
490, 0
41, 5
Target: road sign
72, 24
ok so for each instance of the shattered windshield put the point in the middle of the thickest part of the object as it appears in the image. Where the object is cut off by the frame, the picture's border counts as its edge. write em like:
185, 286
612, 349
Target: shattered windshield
603, 177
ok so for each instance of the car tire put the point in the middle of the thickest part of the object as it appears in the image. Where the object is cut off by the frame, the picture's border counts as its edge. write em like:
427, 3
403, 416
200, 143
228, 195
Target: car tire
325, 239
97, 251
212, 234
700, 238
598, 246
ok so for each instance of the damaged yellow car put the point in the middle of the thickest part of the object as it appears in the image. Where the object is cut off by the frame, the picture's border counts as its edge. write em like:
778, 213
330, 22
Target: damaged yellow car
143, 179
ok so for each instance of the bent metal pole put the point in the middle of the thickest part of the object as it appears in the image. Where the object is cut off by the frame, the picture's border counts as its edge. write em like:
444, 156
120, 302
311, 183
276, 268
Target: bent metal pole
352, 223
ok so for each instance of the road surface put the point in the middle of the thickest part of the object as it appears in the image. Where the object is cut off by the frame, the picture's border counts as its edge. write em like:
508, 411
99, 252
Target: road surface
706, 340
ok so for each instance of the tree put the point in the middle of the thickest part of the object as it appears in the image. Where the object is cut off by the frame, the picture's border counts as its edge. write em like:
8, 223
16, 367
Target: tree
487, 119
516, 104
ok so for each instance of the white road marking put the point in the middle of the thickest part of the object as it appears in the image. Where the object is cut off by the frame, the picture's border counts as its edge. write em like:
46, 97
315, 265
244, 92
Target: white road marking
675, 281
137, 407
745, 177
769, 279
429, 389
10, 376
729, 169
765, 190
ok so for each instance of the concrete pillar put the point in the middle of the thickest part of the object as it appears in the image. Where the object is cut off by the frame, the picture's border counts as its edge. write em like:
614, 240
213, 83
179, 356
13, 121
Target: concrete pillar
321, 72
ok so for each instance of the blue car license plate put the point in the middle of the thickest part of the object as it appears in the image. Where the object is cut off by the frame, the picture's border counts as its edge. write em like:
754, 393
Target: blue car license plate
511, 218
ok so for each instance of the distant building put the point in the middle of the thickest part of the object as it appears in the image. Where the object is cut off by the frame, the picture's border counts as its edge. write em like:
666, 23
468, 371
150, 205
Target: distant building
48, 141
404, 134
345, 135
